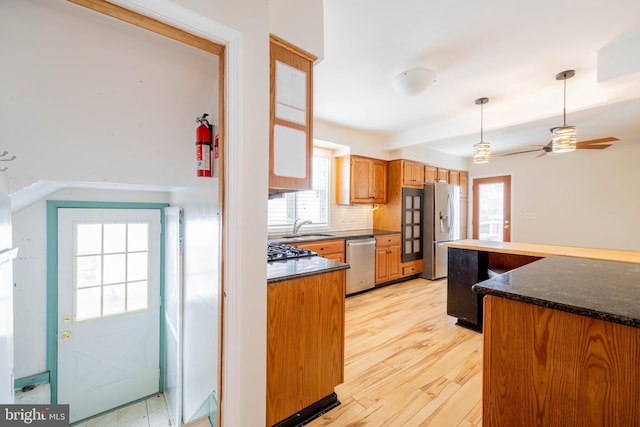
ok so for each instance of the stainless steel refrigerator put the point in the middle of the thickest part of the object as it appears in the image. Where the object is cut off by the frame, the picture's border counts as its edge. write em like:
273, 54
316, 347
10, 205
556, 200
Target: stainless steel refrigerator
441, 223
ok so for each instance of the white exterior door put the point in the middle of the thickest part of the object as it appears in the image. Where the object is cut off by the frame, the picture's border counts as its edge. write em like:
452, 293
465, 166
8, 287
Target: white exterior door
108, 308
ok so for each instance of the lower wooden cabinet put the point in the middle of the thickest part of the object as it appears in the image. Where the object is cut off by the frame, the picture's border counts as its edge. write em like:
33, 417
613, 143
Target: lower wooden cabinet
388, 258
412, 267
305, 342
331, 249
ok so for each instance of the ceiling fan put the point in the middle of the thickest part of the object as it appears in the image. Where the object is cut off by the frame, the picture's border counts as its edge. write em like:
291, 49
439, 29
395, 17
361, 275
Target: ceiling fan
591, 144
564, 137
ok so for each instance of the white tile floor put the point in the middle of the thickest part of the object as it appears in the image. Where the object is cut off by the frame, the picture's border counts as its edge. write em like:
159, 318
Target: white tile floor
148, 413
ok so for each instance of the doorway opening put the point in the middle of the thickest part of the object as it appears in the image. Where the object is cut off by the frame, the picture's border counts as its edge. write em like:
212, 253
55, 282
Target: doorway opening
492, 208
104, 304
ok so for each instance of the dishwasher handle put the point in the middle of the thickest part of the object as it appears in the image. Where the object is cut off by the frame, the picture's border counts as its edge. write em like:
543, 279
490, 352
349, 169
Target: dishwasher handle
361, 242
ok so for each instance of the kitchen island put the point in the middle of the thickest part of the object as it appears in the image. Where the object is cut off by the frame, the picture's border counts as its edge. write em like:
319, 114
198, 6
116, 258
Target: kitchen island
305, 338
561, 344
472, 261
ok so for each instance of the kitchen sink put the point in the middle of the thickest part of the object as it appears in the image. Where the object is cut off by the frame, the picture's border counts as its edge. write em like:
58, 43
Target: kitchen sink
307, 236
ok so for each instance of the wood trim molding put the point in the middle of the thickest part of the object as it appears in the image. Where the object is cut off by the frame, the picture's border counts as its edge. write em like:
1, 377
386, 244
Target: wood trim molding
151, 24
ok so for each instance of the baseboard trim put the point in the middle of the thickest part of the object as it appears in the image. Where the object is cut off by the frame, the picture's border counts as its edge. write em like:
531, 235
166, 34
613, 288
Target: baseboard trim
311, 412
35, 379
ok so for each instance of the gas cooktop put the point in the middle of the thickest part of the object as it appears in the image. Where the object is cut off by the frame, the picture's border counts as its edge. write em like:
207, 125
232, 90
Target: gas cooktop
280, 251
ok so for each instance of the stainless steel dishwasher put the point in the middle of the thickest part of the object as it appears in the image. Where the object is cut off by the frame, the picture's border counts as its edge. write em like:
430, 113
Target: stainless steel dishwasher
361, 256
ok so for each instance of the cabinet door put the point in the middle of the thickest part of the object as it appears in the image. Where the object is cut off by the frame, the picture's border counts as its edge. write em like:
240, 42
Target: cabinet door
430, 173
443, 174
454, 177
360, 180
464, 204
379, 181
412, 174
382, 265
393, 260
290, 148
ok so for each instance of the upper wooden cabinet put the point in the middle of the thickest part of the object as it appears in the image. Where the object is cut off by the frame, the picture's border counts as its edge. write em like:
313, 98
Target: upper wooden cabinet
454, 177
443, 174
430, 173
412, 174
291, 117
360, 180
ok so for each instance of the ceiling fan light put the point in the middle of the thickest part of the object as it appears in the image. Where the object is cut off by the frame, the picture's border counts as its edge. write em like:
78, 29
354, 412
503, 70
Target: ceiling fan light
413, 81
563, 139
481, 152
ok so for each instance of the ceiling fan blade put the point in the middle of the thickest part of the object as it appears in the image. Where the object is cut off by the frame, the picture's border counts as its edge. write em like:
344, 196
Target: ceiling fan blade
595, 144
521, 152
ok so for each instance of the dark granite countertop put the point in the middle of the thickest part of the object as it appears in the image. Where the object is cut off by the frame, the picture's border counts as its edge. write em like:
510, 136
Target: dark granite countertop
313, 236
604, 290
278, 271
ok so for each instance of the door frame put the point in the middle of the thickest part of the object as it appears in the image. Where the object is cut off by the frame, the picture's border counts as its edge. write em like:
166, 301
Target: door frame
475, 182
52, 280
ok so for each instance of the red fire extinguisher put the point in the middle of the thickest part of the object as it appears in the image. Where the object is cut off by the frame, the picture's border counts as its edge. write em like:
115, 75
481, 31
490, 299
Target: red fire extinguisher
204, 147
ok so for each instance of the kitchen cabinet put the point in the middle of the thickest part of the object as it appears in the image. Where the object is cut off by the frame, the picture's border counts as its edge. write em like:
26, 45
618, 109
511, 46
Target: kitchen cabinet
360, 180
411, 268
387, 258
430, 173
291, 117
464, 204
331, 249
412, 174
443, 174
305, 343
454, 177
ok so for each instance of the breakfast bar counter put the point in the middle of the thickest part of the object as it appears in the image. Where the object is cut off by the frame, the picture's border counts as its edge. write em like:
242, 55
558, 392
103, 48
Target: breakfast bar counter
473, 261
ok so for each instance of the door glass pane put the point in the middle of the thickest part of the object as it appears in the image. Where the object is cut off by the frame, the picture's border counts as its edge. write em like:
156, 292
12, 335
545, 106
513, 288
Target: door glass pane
111, 273
491, 211
114, 269
88, 271
115, 238
113, 300
137, 266
88, 239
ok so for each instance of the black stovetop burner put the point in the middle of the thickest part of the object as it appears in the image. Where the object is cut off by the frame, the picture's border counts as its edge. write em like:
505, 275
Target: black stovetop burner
280, 251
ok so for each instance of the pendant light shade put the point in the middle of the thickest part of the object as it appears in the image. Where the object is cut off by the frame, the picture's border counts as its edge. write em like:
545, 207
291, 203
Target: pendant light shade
481, 150
564, 137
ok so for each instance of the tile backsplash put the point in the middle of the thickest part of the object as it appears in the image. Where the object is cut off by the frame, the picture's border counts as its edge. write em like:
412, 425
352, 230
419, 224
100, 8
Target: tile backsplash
353, 217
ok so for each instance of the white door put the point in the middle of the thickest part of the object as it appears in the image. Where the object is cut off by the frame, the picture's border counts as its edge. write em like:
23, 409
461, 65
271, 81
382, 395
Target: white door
108, 308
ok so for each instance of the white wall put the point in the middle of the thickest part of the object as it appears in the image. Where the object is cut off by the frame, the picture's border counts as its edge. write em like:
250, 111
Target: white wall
300, 22
584, 198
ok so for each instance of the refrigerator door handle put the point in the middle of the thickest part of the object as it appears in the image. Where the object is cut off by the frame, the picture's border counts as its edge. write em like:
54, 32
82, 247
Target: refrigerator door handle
450, 213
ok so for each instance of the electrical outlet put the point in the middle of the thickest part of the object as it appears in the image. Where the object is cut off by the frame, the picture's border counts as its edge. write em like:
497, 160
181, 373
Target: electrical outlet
530, 215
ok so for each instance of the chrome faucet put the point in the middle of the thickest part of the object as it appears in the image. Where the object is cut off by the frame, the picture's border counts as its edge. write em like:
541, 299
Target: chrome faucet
298, 223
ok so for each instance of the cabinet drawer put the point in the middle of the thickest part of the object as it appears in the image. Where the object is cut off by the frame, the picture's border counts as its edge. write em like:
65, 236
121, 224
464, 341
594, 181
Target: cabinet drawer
411, 268
324, 247
388, 240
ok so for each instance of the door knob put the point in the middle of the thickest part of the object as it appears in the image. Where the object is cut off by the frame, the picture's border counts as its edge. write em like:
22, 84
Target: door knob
66, 335
506, 226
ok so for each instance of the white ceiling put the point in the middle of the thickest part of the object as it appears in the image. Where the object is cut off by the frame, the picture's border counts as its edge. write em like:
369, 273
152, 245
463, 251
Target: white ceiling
508, 51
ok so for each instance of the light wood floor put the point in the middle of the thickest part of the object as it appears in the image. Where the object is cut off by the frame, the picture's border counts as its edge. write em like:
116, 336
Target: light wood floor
406, 363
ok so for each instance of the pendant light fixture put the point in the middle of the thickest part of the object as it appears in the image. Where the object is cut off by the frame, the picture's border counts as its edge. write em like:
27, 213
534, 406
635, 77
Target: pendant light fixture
481, 150
564, 137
